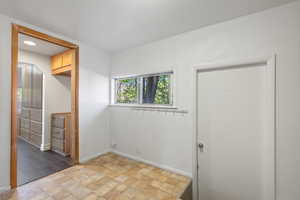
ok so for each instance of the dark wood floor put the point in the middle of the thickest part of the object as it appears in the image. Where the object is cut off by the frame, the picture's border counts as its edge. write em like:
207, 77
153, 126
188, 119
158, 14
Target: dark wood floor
34, 164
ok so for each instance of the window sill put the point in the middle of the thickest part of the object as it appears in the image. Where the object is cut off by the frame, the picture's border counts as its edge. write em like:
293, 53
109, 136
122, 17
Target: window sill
144, 106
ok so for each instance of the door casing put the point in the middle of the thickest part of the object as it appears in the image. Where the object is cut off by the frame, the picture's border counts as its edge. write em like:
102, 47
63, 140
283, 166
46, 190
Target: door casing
16, 30
270, 61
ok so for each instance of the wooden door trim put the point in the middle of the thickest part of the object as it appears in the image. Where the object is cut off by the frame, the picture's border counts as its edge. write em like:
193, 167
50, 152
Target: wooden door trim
16, 29
270, 61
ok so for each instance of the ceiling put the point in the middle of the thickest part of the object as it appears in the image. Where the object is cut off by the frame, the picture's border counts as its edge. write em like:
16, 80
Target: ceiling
42, 47
115, 25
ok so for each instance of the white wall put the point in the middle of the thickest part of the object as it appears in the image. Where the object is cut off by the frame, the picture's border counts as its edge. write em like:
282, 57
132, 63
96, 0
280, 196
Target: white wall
167, 139
57, 90
93, 103
4, 102
93, 98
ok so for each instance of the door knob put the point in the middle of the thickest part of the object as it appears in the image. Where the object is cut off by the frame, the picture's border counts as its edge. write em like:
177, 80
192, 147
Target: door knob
201, 145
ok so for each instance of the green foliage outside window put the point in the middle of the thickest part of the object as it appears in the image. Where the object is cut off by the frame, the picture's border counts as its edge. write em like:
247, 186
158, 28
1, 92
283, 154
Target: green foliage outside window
163, 90
156, 90
126, 91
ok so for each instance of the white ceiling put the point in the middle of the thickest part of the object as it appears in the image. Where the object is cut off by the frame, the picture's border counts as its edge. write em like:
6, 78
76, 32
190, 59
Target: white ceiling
42, 47
114, 25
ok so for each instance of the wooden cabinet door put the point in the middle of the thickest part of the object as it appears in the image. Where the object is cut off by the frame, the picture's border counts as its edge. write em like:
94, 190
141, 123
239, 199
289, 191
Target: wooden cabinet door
67, 58
56, 61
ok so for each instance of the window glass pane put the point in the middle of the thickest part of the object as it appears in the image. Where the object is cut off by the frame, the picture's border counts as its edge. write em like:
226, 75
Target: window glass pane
156, 89
126, 90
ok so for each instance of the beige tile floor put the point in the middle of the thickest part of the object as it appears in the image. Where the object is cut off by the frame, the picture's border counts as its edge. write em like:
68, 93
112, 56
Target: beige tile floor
108, 177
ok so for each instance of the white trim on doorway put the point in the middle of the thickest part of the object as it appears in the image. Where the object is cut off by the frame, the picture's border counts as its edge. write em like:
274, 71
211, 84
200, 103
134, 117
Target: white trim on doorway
45, 147
270, 61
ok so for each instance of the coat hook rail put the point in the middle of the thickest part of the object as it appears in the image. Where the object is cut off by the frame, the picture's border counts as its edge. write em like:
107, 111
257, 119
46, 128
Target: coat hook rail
161, 110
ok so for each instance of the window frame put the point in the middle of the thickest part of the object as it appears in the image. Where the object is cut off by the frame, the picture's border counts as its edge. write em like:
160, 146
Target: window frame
115, 91
139, 79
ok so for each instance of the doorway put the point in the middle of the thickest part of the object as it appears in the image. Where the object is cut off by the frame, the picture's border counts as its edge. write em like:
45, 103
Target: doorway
44, 108
235, 131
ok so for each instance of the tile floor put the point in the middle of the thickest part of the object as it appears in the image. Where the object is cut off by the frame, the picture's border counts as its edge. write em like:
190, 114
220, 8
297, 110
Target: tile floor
108, 177
34, 164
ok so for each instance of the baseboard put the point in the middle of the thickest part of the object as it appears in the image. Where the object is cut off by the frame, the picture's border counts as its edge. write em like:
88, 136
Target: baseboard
177, 171
87, 158
37, 146
5, 188
45, 147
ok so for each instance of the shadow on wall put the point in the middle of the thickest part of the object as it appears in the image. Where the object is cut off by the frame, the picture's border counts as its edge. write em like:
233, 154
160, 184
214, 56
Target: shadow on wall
64, 81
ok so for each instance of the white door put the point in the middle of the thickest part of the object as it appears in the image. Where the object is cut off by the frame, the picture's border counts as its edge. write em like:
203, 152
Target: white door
235, 131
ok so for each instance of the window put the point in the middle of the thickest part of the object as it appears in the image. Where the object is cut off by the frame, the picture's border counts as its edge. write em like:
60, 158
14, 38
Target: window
126, 90
153, 89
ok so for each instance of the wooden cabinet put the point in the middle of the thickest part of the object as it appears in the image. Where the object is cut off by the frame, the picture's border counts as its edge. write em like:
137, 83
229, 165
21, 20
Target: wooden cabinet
67, 58
61, 64
56, 62
61, 133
